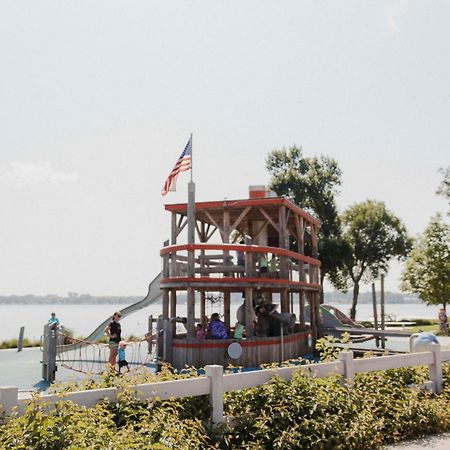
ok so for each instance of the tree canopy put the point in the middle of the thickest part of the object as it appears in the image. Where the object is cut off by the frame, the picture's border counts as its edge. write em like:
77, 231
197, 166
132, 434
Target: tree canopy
312, 183
444, 187
427, 270
372, 236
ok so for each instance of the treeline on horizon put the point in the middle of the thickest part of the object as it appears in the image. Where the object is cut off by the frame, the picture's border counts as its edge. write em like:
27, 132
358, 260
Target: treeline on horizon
70, 299
87, 299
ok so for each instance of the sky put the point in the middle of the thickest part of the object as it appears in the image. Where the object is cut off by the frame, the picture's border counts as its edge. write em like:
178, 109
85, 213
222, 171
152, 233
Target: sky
98, 99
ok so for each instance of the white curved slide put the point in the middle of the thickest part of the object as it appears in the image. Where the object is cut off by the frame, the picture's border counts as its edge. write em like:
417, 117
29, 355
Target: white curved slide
154, 293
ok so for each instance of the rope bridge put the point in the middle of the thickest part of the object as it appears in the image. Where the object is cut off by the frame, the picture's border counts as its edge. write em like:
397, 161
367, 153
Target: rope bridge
92, 357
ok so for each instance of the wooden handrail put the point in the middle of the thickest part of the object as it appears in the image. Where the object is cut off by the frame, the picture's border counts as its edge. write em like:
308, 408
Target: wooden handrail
241, 248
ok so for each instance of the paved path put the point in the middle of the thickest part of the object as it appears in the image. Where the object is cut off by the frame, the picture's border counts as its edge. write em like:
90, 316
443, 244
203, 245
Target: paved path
24, 370
435, 442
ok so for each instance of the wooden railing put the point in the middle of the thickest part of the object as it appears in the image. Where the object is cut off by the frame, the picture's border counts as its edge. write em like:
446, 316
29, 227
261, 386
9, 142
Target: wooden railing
215, 383
218, 261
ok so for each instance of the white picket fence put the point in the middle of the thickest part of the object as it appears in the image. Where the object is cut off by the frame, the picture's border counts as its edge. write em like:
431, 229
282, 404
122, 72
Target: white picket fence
215, 383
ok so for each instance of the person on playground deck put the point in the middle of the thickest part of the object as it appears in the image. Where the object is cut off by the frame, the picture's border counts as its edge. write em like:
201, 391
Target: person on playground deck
217, 329
114, 331
263, 265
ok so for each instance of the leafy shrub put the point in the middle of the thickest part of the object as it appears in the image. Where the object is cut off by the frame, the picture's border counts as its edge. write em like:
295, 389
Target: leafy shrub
306, 413
325, 414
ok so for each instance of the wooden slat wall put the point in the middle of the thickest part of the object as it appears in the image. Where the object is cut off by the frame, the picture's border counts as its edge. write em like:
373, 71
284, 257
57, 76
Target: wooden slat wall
252, 356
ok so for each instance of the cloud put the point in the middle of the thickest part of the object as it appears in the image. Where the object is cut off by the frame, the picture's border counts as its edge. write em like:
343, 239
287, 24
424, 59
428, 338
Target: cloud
23, 174
393, 13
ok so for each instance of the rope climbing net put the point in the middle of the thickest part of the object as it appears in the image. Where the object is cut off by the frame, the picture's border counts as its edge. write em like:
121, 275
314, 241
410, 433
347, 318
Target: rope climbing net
92, 357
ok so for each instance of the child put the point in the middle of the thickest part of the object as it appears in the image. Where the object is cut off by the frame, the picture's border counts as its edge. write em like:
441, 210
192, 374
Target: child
263, 264
121, 352
200, 333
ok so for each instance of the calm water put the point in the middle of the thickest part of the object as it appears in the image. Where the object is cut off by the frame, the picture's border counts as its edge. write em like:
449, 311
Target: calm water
83, 319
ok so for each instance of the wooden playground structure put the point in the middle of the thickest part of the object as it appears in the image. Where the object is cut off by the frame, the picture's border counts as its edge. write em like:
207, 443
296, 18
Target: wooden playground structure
262, 225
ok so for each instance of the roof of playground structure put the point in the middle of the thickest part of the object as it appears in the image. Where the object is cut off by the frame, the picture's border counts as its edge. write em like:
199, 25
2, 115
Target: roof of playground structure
214, 209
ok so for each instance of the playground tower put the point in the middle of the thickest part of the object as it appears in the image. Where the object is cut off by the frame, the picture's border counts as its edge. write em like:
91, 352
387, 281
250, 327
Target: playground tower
242, 231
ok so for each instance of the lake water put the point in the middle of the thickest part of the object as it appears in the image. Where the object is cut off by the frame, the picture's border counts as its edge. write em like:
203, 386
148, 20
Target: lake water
83, 319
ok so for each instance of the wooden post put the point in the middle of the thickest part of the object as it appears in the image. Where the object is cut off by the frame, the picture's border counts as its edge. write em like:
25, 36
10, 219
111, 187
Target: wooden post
150, 323
190, 320
165, 292
9, 399
435, 369
249, 312
226, 309
375, 313
160, 337
215, 375
318, 325
282, 242
301, 298
346, 357
49, 354
173, 309
203, 308
284, 300
383, 338
299, 225
190, 324
167, 353
20, 341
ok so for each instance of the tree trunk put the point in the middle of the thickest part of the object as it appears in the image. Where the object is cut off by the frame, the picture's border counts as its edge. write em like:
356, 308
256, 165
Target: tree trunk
355, 300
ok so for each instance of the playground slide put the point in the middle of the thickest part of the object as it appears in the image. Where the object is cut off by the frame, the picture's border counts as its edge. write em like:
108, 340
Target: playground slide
153, 295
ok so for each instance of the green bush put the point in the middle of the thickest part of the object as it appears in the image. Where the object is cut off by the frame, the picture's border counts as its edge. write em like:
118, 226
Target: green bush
325, 414
306, 413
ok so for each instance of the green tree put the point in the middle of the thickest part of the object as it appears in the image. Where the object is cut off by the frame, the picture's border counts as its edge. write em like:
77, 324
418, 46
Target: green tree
313, 184
427, 270
444, 187
372, 236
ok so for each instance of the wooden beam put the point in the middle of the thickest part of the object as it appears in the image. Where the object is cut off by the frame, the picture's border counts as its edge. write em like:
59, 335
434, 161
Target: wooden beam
209, 235
181, 227
240, 218
173, 234
226, 226
261, 229
269, 219
214, 222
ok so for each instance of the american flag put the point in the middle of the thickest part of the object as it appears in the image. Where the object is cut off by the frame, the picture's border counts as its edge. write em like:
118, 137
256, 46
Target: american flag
183, 163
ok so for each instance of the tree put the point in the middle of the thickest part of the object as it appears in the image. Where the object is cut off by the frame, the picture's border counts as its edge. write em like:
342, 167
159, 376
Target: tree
372, 236
313, 184
427, 270
444, 187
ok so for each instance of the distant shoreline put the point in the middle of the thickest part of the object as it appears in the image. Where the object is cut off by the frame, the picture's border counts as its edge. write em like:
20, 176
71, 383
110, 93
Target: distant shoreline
74, 298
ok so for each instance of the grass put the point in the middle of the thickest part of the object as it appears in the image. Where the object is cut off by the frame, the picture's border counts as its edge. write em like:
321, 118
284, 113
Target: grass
12, 343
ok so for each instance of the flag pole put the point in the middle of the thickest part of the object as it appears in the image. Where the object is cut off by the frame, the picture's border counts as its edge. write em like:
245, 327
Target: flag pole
191, 204
190, 319
192, 156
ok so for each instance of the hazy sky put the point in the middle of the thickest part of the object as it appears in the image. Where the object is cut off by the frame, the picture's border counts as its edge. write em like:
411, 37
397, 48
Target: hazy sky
97, 100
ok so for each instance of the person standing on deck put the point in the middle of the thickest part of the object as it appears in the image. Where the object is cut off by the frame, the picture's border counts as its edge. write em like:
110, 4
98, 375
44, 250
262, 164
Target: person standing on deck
263, 264
273, 267
114, 331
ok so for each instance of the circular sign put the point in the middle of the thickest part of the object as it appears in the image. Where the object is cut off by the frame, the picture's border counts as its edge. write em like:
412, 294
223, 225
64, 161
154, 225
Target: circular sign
234, 350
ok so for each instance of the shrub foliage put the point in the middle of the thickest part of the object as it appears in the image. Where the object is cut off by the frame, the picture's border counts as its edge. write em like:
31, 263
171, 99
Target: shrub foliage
306, 413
